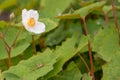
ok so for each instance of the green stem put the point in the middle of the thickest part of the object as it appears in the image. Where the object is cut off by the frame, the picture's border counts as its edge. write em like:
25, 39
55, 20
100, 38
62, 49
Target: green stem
34, 47
90, 51
84, 62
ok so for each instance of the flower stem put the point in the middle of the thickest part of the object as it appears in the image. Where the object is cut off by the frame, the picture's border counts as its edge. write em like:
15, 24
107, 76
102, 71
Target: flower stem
34, 47
84, 62
9, 48
90, 51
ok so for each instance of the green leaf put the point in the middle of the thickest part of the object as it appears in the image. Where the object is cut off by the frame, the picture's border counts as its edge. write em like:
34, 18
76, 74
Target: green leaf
86, 77
33, 68
105, 43
66, 52
111, 70
50, 25
107, 9
93, 27
22, 43
28, 52
11, 76
51, 11
3, 65
55, 37
18, 49
85, 3
71, 73
83, 12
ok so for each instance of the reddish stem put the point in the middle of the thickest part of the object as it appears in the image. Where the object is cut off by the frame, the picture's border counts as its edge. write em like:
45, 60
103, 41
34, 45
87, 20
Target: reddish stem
8, 52
106, 18
41, 42
90, 51
115, 18
9, 58
5, 43
14, 42
115, 15
9, 48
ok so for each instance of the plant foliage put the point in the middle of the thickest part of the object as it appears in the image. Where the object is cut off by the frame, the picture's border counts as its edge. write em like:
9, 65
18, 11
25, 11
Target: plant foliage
63, 49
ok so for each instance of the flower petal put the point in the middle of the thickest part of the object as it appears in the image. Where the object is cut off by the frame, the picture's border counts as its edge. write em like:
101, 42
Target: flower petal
24, 14
33, 14
37, 29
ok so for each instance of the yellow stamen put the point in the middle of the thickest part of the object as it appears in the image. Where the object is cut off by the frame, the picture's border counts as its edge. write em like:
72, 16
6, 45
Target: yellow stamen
31, 22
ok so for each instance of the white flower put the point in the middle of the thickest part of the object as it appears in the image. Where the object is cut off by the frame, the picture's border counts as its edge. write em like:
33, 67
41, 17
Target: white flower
31, 23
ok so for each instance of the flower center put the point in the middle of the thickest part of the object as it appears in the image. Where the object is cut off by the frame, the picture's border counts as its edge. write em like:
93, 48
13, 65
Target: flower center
31, 22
